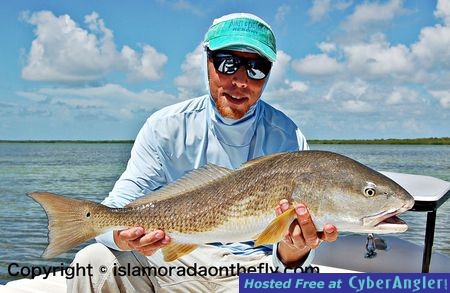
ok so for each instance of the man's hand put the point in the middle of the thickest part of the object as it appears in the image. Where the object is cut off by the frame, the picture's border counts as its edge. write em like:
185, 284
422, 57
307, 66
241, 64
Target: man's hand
136, 239
302, 236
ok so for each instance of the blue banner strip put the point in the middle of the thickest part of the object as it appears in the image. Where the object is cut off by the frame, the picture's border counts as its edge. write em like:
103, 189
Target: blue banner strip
392, 282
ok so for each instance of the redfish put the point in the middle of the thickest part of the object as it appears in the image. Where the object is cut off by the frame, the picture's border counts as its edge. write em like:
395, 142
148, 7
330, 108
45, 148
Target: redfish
215, 204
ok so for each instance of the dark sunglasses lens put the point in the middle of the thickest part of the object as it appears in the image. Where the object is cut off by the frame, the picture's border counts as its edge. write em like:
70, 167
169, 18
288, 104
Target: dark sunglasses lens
258, 69
226, 64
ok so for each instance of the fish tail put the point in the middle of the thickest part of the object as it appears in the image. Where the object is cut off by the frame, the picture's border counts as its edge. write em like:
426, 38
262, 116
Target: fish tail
69, 221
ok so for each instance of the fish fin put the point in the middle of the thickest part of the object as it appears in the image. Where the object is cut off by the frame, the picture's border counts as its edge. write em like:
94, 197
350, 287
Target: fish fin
259, 160
190, 181
174, 251
69, 221
275, 230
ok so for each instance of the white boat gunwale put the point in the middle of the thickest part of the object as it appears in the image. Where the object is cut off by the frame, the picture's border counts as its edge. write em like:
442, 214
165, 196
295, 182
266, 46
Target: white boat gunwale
429, 194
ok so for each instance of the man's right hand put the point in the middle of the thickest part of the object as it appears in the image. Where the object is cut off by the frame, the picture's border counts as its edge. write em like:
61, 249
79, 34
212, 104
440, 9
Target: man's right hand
137, 239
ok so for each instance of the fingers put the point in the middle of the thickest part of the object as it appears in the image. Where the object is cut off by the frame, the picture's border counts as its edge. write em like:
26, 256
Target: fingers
151, 238
281, 207
155, 242
131, 233
308, 231
329, 233
145, 243
302, 235
302, 232
295, 236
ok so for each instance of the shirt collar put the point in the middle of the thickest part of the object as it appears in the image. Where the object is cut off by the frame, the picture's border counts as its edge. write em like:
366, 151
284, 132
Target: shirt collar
234, 132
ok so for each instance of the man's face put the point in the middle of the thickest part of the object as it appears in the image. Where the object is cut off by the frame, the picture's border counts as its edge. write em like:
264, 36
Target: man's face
234, 94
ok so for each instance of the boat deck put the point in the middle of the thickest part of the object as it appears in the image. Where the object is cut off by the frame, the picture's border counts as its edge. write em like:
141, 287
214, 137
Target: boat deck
401, 256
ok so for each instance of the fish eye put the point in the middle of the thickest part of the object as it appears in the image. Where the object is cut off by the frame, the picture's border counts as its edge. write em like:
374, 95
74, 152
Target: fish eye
370, 191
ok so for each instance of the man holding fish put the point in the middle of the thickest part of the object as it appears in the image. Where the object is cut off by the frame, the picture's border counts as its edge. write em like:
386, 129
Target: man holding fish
227, 128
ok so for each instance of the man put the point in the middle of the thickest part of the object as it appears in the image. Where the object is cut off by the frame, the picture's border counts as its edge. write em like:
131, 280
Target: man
228, 127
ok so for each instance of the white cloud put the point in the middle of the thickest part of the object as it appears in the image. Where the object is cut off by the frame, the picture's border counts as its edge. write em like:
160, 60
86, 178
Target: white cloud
378, 58
431, 52
375, 58
356, 106
347, 90
291, 97
411, 125
65, 52
319, 9
299, 86
192, 82
110, 100
327, 47
395, 82
368, 14
286, 93
433, 46
443, 97
342, 4
443, 10
279, 70
148, 65
282, 12
34, 96
352, 84
320, 64
282, 92
401, 96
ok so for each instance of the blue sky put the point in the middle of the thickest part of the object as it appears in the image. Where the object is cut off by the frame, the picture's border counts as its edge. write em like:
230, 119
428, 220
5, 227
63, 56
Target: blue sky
345, 68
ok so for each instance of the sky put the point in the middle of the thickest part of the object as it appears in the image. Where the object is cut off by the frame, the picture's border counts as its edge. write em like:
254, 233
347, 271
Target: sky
346, 69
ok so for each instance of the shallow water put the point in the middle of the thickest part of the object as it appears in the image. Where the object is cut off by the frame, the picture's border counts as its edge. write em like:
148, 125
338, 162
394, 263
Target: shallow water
89, 171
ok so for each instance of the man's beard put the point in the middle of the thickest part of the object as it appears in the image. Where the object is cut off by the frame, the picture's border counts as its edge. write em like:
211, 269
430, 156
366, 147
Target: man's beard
230, 113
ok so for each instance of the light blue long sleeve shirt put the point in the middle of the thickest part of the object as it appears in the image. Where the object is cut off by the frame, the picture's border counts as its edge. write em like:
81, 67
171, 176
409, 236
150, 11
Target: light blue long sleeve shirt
190, 134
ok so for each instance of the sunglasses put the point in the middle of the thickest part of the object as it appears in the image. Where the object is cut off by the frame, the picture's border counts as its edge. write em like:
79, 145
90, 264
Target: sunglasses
227, 63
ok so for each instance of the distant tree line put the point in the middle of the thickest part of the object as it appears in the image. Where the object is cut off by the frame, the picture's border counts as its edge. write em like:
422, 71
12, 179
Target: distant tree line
429, 140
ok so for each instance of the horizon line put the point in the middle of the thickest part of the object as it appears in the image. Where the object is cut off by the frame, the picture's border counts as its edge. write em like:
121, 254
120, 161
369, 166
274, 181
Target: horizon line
421, 140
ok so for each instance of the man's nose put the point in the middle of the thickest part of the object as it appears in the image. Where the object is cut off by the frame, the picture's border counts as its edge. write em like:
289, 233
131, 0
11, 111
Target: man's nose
240, 78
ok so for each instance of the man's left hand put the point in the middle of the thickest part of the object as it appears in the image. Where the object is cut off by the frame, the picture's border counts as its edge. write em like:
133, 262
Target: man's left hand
302, 236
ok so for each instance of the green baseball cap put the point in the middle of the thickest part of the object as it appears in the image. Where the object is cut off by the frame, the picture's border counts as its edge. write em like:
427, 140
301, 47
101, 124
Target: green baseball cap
242, 31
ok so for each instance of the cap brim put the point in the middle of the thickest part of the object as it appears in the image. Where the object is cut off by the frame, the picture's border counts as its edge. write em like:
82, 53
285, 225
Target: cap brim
223, 42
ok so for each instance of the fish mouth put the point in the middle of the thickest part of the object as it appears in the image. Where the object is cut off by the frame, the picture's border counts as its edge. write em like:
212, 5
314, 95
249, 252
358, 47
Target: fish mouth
387, 221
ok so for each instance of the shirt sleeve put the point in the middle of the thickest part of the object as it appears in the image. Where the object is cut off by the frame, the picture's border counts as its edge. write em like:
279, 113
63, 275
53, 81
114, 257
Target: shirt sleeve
143, 175
282, 268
